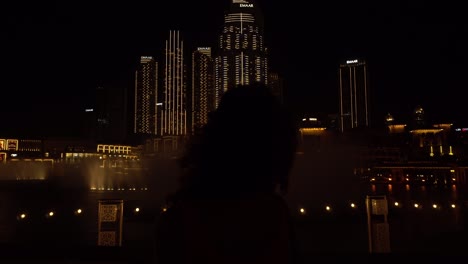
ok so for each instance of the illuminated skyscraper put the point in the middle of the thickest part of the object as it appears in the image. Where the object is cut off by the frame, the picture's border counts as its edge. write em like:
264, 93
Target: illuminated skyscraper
146, 97
174, 116
242, 55
354, 95
203, 95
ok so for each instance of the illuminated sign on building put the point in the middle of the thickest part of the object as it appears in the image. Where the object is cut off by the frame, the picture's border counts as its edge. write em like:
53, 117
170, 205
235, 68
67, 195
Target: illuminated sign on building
12, 144
146, 59
89, 110
351, 61
2, 144
246, 5
204, 48
239, 1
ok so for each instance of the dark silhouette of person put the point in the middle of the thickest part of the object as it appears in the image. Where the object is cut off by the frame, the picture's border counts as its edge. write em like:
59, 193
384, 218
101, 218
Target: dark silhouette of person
230, 207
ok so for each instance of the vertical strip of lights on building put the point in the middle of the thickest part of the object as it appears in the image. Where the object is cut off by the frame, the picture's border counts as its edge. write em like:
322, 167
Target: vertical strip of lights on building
175, 112
354, 95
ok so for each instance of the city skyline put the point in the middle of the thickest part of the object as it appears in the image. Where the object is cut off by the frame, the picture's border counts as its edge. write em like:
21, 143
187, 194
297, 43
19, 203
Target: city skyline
414, 51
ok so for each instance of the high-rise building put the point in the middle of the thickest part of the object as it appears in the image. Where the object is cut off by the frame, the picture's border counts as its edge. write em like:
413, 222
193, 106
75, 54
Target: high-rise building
354, 95
105, 115
203, 95
241, 57
146, 97
174, 113
276, 84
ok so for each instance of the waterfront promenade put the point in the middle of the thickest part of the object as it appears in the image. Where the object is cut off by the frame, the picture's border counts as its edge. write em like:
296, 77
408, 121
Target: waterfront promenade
317, 241
425, 234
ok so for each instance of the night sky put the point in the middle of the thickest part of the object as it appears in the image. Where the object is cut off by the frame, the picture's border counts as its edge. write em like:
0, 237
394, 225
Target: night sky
55, 53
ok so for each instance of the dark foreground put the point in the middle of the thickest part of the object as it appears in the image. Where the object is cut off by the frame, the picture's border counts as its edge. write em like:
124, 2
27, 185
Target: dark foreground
320, 239
424, 234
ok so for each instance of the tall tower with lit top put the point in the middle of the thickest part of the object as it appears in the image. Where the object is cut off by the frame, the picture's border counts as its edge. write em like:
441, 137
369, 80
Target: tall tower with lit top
146, 97
241, 57
203, 100
354, 95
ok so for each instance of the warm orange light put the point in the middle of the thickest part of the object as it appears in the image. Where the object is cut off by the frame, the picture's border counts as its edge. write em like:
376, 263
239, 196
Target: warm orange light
137, 209
302, 211
312, 130
23, 216
426, 131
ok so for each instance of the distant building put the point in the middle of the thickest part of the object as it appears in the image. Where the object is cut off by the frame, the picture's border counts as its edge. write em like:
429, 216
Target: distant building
354, 103
146, 97
105, 115
174, 101
276, 84
203, 94
242, 56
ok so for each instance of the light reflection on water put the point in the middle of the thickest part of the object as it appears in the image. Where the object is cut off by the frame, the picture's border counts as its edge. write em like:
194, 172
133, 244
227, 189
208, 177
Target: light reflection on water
423, 193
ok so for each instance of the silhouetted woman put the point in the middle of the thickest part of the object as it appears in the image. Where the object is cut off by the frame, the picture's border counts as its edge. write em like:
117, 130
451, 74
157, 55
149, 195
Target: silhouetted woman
230, 208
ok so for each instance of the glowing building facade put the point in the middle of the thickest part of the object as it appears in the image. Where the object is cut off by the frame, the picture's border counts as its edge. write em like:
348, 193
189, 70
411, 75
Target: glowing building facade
354, 95
242, 55
146, 97
203, 95
174, 113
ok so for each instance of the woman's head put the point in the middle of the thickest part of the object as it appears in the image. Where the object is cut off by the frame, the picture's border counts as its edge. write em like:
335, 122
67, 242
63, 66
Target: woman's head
247, 145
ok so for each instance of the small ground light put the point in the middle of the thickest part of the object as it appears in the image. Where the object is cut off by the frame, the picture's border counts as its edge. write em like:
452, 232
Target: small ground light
22, 216
137, 210
328, 208
302, 211
416, 205
51, 213
78, 211
435, 206
397, 204
353, 205
454, 206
